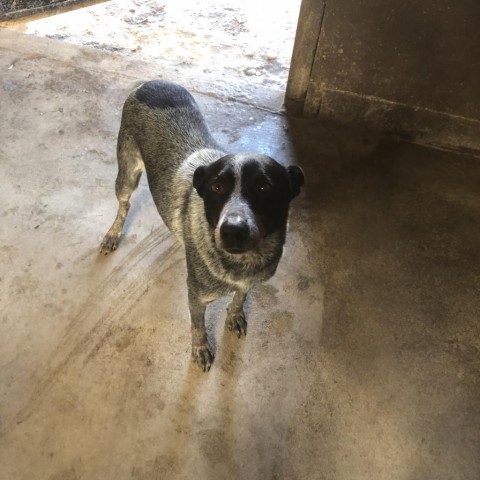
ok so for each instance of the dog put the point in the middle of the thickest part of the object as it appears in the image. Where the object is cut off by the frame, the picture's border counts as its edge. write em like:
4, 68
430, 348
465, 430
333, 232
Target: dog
229, 211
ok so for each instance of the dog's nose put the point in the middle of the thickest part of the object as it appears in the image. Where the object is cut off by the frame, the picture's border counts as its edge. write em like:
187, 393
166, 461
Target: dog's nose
234, 232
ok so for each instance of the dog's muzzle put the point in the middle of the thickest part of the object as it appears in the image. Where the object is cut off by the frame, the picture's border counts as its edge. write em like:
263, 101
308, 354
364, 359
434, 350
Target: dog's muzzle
237, 233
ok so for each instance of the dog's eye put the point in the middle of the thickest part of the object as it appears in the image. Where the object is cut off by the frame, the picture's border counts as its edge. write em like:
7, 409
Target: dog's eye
264, 187
217, 187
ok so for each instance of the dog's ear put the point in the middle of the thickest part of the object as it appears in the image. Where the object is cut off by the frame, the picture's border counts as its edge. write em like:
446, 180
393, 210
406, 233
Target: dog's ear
199, 179
296, 179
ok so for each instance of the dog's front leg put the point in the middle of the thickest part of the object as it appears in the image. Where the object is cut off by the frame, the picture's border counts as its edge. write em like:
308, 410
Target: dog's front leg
236, 322
202, 352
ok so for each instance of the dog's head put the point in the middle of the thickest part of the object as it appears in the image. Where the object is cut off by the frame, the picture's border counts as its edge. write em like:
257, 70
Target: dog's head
246, 198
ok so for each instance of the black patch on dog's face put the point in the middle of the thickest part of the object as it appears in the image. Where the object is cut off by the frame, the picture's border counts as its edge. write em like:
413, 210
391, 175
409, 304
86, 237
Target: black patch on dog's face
162, 94
205, 181
266, 187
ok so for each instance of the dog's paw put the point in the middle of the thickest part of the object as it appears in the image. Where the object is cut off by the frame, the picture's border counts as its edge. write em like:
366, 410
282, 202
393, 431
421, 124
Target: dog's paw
203, 356
236, 322
109, 244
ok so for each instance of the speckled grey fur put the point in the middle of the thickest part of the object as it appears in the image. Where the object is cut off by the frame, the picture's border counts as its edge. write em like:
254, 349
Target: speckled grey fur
170, 142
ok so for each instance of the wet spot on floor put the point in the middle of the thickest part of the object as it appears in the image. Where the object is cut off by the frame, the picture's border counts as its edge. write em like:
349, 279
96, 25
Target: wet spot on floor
127, 337
303, 283
280, 322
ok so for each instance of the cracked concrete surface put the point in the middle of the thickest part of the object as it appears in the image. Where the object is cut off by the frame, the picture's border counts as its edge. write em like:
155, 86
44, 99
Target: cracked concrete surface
362, 356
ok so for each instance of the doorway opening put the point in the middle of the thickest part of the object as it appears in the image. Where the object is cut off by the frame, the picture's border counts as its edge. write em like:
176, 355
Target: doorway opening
247, 41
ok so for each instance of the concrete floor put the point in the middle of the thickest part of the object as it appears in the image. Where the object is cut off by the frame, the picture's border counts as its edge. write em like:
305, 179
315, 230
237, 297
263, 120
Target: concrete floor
362, 357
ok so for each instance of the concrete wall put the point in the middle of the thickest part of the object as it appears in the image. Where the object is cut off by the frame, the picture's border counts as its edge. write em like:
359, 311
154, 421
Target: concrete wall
410, 68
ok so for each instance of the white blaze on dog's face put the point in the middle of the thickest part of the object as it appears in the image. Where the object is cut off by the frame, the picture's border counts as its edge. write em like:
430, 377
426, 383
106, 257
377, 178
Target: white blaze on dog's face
246, 199
237, 229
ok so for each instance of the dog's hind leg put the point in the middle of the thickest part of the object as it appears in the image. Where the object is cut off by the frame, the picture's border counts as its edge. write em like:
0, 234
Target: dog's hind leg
130, 167
236, 322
